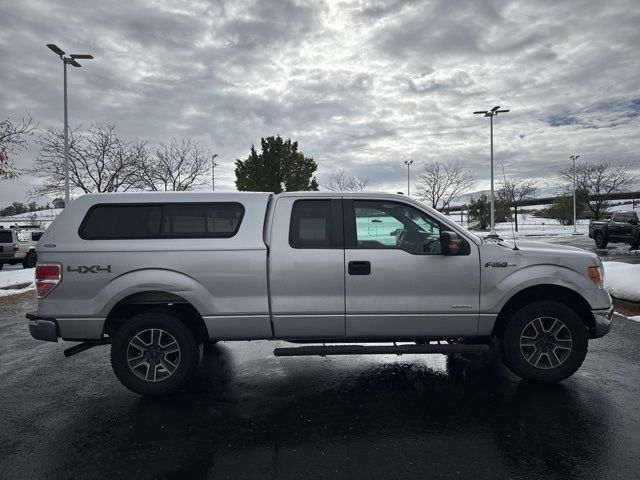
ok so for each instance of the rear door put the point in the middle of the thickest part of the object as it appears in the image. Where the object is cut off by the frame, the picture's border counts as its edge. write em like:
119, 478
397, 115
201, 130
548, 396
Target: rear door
398, 284
626, 228
306, 268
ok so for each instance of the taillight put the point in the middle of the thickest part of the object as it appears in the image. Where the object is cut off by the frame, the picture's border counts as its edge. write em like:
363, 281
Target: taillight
48, 275
16, 247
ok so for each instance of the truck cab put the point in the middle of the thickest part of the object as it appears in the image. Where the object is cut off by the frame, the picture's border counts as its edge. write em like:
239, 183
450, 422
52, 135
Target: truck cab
358, 270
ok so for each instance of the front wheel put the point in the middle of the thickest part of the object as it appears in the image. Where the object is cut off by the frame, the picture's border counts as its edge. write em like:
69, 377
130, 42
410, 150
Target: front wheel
600, 240
545, 341
154, 353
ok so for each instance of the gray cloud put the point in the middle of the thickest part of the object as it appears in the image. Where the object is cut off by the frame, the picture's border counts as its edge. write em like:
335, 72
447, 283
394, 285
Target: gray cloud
361, 85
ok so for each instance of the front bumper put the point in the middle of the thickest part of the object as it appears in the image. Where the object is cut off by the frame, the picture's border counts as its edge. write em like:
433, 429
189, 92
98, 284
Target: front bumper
43, 328
602, 324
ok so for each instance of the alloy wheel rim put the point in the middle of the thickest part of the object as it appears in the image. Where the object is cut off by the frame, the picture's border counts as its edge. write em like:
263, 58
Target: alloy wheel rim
153, 355
546, 342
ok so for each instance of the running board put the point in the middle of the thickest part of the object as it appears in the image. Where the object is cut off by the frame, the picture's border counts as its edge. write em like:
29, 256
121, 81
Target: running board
324, 350
81, 347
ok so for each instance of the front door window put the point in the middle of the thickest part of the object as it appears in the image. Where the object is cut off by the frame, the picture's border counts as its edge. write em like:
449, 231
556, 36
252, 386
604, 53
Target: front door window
395, 226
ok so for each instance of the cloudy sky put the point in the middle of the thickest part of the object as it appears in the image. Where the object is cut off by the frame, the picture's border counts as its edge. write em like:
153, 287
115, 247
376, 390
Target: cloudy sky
360, 85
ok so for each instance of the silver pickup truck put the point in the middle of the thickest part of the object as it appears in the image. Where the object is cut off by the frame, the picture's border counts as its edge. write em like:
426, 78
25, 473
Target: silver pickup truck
159, 275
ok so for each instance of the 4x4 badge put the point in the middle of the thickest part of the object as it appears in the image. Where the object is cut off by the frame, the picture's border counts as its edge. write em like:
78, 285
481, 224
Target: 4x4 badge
91, 269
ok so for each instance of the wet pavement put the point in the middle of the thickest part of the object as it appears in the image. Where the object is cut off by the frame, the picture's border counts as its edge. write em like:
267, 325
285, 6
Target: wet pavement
248, 414
615, 252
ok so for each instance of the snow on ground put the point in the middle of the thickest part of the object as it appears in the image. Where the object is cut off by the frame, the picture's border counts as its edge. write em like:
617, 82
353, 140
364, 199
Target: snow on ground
43, 217
635, 319
530, 226
11, 278
623, 280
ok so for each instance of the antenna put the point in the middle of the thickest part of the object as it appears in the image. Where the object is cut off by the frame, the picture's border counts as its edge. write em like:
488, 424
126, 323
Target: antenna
513, 232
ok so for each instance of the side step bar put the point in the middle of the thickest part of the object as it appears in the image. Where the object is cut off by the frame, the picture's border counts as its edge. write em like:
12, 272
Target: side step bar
81, 347
324, 350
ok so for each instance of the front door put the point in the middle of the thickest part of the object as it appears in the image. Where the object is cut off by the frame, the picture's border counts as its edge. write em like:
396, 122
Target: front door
398, 284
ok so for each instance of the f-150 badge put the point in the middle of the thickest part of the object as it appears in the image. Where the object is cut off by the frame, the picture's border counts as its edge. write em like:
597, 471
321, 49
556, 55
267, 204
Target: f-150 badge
499, 264
90, 269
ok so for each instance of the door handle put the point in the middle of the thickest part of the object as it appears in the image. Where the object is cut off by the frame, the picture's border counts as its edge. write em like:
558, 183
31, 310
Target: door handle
359, 268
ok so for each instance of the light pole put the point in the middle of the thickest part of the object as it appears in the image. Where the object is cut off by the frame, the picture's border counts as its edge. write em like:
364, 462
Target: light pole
70, 60
408, 164
492, 113
573, 159
213, 172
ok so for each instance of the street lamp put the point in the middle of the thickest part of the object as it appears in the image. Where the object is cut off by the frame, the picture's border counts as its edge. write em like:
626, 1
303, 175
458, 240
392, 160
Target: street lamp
408, 164
213, 172
491, 113
573, 159
70, 60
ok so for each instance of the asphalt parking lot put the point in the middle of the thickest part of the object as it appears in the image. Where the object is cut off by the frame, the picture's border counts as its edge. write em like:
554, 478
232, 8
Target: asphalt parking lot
251, 415
616, 252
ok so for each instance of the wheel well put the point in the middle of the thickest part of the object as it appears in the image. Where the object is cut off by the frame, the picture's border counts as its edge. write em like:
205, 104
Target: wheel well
156, 301
545, 292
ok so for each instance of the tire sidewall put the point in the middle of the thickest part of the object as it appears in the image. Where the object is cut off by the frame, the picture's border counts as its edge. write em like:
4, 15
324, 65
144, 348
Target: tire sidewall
600, 241
30, 260
189, 353
516, 361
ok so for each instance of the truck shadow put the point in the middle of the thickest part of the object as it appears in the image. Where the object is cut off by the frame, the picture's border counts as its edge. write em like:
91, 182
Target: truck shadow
400, 420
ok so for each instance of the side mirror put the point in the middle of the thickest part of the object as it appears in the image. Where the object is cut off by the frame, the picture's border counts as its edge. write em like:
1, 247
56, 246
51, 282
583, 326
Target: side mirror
451, 242
633, 221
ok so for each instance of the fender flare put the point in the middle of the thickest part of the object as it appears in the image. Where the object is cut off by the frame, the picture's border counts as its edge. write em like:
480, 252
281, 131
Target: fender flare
152, 279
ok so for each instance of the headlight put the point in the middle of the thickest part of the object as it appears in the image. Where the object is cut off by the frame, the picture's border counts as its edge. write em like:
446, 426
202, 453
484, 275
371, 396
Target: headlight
596, 274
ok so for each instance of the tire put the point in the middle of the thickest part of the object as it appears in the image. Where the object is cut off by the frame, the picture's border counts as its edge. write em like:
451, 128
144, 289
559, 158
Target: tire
1, 265
600, 240
137, 356
636, 242
548, 357
30, 260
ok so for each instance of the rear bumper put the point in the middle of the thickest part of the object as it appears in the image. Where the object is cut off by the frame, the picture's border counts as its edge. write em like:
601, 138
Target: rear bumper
43, 328
602, 324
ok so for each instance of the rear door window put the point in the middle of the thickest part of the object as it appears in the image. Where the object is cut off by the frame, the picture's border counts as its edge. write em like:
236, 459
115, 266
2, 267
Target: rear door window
316, 224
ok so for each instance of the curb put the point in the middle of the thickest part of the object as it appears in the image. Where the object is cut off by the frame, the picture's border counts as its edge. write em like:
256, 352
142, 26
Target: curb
625, 307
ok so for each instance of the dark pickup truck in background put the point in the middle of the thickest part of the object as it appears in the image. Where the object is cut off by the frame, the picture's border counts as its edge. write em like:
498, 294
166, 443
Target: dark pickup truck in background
621, 228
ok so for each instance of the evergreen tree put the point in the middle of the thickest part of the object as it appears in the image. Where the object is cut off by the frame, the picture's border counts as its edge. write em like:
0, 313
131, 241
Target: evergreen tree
279, 167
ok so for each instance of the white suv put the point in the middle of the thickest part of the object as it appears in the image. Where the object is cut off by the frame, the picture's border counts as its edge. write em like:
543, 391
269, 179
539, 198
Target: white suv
18, 245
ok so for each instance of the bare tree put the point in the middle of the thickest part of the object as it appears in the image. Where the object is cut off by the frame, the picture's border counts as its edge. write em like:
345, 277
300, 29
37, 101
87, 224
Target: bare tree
176, 166
442, 181
598, 181
99, 161
12, 139
340, 182
513, 191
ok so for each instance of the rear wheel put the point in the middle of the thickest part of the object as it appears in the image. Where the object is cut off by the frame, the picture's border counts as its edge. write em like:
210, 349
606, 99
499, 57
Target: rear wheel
30, 260
545, 341
636, 242
599, 239
154, 353
1, 265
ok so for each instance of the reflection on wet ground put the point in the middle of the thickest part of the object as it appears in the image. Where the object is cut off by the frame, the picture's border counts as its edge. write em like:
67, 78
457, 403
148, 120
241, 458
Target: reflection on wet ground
615, 252
248, 414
